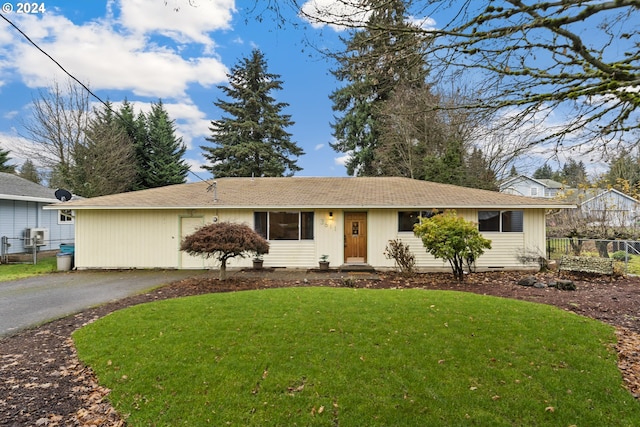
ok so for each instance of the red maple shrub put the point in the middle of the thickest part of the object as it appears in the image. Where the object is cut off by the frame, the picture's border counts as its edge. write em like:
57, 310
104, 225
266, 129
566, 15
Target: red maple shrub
224, 240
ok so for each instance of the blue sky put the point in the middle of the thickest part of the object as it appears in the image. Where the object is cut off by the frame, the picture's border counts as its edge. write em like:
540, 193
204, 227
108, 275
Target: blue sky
143, 50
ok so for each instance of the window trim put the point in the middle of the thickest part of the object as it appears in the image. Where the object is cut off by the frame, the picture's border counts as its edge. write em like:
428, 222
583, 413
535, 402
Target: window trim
266, 233
501, 221
422, 213
62, 213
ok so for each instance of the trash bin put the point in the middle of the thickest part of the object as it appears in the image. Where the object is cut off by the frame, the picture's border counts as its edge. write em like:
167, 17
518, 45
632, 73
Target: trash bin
64, 261
69, 249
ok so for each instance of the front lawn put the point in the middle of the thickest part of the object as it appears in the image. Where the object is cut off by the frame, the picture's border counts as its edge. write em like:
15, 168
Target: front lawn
357, 357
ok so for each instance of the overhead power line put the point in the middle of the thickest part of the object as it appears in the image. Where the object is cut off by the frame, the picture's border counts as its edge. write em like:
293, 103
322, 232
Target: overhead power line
70, 75
56, 62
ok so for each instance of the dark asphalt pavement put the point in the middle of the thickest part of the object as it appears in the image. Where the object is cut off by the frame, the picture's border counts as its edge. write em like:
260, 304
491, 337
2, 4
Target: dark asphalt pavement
36, 300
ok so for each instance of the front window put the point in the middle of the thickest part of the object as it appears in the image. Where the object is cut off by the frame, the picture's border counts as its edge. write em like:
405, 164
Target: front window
501, 221
408, 219
284, 225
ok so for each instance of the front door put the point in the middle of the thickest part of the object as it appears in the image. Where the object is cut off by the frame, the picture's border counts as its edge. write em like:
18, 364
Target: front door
355, 237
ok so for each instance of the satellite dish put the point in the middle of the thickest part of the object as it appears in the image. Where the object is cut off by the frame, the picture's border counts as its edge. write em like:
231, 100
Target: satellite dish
62, 195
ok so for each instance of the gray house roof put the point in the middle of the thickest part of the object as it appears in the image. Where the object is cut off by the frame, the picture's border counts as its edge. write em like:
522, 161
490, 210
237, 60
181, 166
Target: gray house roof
308, 192
13, 187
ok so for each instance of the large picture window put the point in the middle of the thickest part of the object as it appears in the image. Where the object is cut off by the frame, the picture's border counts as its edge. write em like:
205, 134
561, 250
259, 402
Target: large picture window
501, 221
284, 225
407, 219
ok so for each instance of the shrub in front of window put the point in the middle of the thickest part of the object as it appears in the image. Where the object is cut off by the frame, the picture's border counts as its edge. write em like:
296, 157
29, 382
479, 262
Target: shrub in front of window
452, 238
225, 240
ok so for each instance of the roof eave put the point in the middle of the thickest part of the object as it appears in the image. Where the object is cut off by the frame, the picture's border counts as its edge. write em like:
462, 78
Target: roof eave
337, 206
27, 198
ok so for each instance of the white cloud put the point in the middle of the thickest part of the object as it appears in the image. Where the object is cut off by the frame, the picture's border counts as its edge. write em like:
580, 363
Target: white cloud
342, 14
318, 147
18, 148
342, 160
190, 22
337, 14
105, 57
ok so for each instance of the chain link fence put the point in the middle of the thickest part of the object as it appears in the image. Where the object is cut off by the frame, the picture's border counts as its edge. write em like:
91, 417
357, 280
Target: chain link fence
19, 250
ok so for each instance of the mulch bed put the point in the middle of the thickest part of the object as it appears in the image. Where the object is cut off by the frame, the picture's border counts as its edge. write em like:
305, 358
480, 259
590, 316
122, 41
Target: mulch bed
44, 384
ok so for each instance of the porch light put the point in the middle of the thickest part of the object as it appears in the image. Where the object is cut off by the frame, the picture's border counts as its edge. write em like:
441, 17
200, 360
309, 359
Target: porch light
330, 214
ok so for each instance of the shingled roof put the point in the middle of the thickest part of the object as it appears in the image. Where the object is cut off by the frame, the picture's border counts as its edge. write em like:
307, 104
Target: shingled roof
307, 192
13, 187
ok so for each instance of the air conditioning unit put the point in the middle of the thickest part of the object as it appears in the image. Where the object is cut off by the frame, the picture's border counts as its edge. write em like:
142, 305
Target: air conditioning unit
39, 236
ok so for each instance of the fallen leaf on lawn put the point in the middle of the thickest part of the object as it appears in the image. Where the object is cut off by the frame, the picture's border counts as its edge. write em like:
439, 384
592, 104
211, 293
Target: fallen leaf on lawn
550, 409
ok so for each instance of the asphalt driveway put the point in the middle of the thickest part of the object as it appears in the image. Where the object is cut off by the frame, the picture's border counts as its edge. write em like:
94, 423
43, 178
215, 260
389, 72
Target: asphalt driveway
40, 299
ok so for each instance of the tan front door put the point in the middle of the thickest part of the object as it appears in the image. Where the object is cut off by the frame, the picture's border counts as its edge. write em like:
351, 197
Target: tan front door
355, 237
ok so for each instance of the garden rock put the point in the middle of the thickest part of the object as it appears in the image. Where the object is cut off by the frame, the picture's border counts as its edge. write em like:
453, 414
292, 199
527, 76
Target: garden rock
528, 281
566, 285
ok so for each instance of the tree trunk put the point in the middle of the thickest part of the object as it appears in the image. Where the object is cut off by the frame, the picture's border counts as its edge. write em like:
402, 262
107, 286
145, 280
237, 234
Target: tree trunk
603, 250
223, 269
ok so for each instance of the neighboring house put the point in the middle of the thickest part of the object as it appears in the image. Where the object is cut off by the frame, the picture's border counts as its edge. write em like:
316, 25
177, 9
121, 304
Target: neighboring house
349, 219
22, 217
525, 186
611, 206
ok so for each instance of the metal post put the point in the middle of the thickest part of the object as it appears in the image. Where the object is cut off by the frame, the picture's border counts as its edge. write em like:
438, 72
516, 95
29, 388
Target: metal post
34, 244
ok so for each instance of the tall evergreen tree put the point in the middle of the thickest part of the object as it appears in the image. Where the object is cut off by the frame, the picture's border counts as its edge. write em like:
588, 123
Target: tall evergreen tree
543, 172
251, 140
29, 171
158, 151
105, 162
449, 168
377, 60
479, 174
573, 173
4, 158
135, 127
163, 153
625, 167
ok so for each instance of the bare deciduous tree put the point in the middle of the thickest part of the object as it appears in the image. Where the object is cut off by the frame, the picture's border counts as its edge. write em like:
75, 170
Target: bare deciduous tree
60, 115
578, 59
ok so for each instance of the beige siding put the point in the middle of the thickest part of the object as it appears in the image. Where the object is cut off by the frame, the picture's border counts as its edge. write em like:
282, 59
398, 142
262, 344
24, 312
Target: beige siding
151, 239
127, 239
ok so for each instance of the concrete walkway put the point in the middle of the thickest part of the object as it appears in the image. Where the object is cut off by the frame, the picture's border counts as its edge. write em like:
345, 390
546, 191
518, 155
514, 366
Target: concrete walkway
36, 300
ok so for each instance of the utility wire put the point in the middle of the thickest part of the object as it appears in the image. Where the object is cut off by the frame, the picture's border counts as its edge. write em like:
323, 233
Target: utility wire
71, 75
56, 62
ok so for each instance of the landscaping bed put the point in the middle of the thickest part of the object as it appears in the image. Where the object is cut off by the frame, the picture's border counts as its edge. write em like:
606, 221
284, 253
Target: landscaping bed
44, 384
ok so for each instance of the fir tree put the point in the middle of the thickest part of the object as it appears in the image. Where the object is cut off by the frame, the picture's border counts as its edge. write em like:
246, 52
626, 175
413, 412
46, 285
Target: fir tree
251, 139
105, 162
543, 172
135, 127
377, 60
28, 171
449, 168
479, 174
4, 158
162, 157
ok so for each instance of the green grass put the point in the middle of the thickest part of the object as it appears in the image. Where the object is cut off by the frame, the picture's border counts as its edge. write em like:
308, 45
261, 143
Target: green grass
20, 271
357, 357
